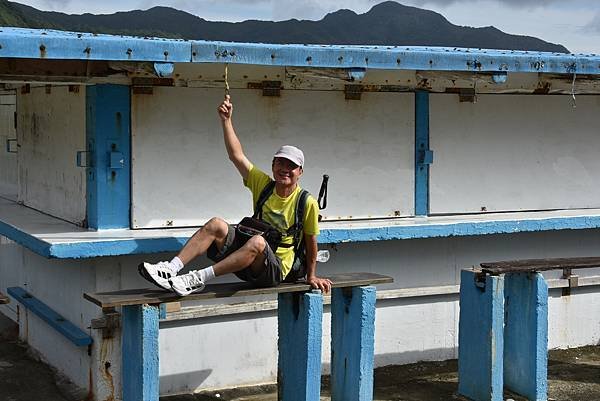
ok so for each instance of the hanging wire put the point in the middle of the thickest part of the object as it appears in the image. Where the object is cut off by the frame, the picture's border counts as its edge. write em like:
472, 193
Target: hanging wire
574, 100
226, 80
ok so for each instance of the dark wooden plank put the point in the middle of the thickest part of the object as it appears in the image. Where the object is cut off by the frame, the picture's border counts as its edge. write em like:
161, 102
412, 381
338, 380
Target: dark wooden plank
156, 296
535, 265
4, 299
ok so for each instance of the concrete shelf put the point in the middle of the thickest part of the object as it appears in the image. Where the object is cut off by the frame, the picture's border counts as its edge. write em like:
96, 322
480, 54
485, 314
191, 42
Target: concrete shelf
55, 238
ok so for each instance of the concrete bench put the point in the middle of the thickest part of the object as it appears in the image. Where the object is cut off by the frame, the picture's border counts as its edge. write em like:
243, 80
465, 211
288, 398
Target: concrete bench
300, 314
4, 299
503, 327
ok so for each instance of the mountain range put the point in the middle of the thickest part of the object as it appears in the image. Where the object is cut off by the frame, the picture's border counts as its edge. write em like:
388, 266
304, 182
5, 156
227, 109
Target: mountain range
388, 23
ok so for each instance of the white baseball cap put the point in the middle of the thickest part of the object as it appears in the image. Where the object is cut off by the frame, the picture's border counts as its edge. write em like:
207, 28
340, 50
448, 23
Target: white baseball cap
291, 153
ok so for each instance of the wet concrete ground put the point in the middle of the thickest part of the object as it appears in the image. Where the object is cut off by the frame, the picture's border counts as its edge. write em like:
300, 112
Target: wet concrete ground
574, 375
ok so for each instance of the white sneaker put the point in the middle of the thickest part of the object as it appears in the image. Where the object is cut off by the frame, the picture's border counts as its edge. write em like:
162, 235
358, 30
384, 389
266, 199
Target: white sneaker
158, 274
187, 283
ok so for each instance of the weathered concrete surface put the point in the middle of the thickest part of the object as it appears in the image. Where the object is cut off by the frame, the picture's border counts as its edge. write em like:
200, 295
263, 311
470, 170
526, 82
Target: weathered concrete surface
22, 378
573, 375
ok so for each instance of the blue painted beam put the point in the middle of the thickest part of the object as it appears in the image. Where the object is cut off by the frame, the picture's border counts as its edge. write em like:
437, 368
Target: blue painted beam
59, 45
300, 317
352, 343
50, 44
73, 333
394, 58
526, 335
421, 152
139, 349
480, 337
108, 136
425, 229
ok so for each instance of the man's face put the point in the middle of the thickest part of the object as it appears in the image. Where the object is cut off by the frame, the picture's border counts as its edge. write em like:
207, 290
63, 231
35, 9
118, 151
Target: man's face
285, 172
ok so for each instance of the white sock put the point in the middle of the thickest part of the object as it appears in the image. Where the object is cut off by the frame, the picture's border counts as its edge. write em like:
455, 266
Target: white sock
206, 274
176, 264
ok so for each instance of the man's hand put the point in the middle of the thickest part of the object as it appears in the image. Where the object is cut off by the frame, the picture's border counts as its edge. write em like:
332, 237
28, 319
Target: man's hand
225, 109
323, 284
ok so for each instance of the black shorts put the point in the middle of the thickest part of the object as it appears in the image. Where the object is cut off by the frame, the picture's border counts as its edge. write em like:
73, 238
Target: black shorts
270, 277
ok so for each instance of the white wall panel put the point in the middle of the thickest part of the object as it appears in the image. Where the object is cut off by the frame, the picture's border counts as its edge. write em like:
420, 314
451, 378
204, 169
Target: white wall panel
514, 152
8, 161
182, 176
51, 129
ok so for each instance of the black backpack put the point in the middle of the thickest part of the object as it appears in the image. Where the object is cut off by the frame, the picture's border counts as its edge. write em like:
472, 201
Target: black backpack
298, 269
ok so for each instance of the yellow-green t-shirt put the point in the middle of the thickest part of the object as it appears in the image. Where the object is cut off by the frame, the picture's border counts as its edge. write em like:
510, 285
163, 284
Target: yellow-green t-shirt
280, 212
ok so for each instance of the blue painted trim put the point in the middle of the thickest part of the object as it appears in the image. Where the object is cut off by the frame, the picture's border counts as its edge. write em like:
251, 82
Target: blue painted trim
352, 343
56, 45
117, 247
394, 58
526, 335
481, 338
300, 323
71, 332
26, 43
139, 352
421, 149
108, 133
29, 241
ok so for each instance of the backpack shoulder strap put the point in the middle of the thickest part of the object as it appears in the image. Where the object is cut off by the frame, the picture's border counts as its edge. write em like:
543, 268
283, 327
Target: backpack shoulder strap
262, 198
299, 218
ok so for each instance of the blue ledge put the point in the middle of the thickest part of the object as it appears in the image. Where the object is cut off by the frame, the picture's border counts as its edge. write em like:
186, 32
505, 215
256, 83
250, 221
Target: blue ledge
49, 44
44, 312
67, 241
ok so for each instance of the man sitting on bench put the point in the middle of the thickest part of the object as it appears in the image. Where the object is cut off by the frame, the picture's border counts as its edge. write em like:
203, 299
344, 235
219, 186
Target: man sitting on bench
253, 261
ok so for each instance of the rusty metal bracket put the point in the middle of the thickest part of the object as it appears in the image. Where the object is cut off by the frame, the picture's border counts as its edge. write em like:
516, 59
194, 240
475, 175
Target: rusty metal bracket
107, 323
353, 92
573, 281
271, 88
145, 86
466, 95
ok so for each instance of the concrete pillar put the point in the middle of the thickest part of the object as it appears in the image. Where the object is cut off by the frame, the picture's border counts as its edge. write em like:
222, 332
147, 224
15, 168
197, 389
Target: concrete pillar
352, 343
300, 318
140, 353
526, 335
481, 337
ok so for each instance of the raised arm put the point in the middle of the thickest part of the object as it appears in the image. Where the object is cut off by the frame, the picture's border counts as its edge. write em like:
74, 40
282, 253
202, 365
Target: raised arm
232, 143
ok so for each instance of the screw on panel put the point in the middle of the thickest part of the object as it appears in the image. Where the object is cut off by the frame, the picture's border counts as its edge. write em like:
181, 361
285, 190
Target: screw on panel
42, 50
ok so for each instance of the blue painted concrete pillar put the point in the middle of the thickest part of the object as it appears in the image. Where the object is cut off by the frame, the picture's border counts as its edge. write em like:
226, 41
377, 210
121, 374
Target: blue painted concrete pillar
423, 155
481, 337
526, 335
300, 318
352, 343
140, 353
108, 133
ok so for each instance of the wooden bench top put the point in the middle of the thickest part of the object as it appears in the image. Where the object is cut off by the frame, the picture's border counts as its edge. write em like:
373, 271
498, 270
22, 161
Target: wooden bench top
157, 296
4, 299
535, 265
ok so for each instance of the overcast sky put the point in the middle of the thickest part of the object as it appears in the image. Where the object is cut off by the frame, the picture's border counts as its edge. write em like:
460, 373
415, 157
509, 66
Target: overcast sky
573, 23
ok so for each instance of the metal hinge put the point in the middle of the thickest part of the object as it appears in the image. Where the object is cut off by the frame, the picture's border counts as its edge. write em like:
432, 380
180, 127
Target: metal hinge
353, 92
9, 148
145, 86
269, 88
467, 95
